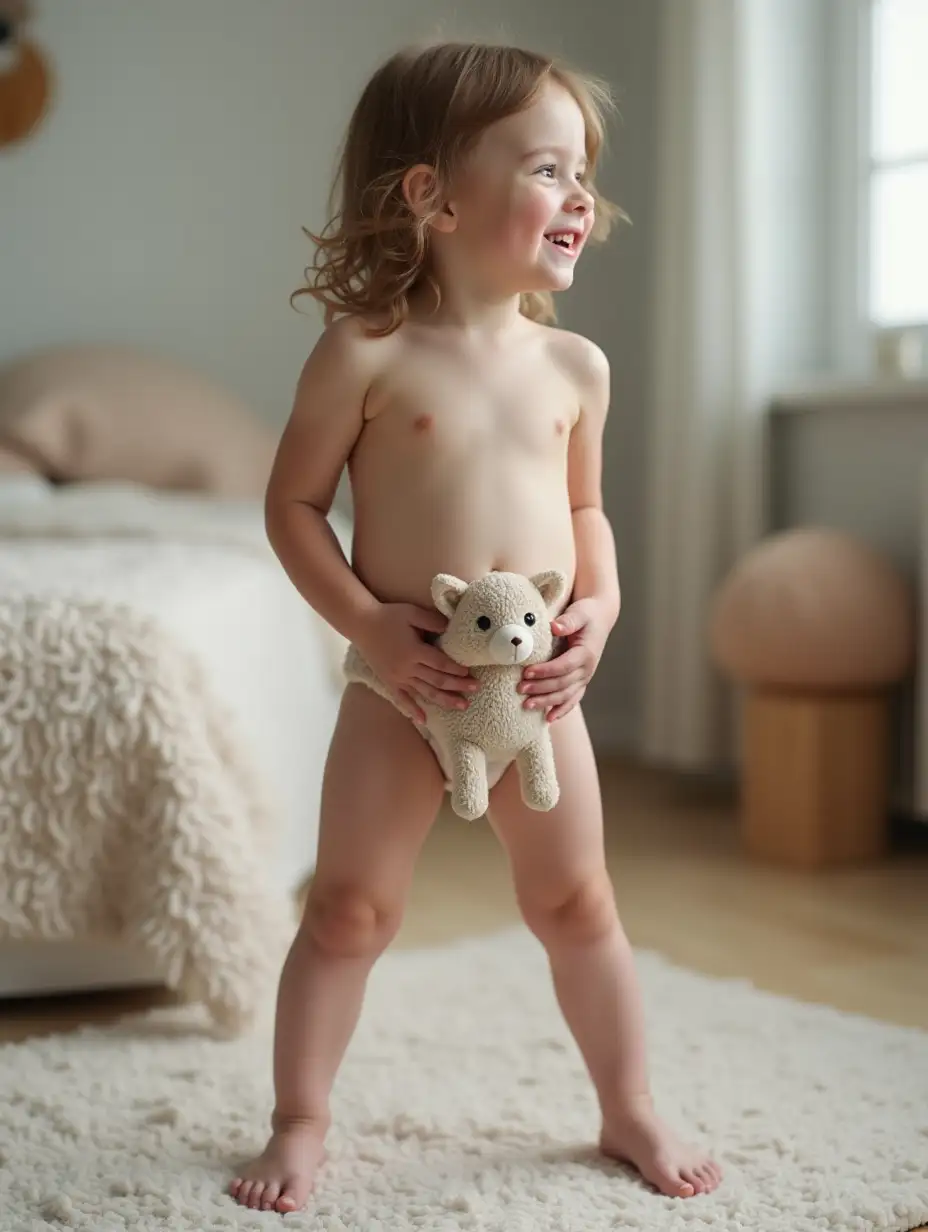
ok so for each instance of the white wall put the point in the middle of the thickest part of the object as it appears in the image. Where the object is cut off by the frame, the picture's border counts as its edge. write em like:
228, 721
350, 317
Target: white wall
161, 203
612, 304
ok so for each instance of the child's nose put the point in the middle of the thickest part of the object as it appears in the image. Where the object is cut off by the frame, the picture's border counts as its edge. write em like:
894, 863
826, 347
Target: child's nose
581, 201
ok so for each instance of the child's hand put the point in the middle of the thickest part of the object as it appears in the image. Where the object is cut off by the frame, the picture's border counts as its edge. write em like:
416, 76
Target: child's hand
558, 685
410, 667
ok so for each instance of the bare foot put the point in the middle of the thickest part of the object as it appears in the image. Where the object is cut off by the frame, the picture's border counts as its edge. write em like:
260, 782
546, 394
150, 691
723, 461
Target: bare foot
638, 1136
281, 1178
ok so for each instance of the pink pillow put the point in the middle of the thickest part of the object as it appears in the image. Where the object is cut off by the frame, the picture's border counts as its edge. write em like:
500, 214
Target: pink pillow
106, 412
13, 463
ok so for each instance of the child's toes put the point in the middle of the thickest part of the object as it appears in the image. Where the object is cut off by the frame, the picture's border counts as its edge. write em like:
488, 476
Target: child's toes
290, 1199
271, 1194
708, 1174
670, 1181
242, 1194
254, 1198
691, 1177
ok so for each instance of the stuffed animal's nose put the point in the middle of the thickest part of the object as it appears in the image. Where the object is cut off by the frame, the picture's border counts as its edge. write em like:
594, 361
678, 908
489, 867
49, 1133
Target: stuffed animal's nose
510, 644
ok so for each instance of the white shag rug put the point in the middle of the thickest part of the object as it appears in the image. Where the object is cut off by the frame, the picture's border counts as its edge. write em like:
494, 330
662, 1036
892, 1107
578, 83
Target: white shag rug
463, 1104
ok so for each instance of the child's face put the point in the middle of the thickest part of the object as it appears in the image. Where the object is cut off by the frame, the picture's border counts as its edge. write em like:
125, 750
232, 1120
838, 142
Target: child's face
520, 187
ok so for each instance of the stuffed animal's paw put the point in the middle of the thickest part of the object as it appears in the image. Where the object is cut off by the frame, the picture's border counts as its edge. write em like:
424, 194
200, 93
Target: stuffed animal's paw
542, 795
470, 800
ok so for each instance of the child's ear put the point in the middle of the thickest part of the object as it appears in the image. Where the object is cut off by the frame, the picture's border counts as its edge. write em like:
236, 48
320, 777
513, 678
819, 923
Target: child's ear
422, 193
447, 592
551, 585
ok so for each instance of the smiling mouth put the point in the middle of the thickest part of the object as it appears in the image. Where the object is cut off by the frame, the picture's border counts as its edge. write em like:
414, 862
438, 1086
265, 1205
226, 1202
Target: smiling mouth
567, 242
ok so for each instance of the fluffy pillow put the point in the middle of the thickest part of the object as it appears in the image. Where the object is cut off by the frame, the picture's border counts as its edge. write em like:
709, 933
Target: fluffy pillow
102, 412
13, 463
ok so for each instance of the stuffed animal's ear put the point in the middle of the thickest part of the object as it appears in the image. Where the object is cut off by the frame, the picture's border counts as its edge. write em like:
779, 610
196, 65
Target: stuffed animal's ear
447, 592
551, 585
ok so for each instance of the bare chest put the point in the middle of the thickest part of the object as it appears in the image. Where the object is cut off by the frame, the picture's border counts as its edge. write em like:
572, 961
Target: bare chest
454, 407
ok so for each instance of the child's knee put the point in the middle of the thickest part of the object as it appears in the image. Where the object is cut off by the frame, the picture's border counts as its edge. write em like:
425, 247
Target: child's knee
347, 922
580, 915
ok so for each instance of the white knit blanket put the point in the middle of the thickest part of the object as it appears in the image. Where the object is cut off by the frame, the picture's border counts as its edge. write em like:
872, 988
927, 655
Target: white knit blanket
128, 806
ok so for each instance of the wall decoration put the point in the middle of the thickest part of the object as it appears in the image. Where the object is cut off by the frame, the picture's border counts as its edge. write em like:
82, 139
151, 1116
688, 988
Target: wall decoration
25, 76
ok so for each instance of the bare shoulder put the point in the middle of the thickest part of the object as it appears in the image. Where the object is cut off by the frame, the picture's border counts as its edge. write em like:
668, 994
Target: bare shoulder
352, 343
586, 367
343, 366
579, 358
329, 410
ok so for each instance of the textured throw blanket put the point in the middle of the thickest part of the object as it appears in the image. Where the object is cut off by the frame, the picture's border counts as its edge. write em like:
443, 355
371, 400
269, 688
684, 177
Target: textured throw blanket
127, 806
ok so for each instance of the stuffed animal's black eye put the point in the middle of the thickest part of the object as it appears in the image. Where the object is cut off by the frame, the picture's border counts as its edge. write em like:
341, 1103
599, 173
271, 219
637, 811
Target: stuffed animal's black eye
529, 618
483, 622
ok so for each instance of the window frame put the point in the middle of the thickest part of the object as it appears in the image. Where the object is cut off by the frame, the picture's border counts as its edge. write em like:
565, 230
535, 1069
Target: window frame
860, 346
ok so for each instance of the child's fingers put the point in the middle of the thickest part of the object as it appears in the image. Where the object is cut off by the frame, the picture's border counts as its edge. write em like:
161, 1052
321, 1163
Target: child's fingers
550, 699
552, 684
558, 712
448, 699
429, 621
436, 659
443, 680
569, 661
411, 706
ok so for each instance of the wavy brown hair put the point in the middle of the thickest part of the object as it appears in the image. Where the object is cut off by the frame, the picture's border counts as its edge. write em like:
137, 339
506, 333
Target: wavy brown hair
428, 105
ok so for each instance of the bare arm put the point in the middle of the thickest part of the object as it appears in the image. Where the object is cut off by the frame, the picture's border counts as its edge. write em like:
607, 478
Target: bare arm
325, 423
560, 684
597, 574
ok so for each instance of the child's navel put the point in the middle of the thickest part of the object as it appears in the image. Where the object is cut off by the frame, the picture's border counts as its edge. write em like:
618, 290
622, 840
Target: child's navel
423, 422
559, 427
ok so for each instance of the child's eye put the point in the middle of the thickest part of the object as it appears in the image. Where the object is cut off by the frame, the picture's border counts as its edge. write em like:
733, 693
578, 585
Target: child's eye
548, 171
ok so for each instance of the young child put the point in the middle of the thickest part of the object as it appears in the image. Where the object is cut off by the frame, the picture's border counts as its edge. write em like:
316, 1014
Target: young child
472, 432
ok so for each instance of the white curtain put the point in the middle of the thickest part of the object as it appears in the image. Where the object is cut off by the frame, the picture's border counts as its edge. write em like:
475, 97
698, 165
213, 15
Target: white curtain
736, 305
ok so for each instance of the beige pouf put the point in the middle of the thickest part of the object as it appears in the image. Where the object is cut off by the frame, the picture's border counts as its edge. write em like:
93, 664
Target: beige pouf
816, 627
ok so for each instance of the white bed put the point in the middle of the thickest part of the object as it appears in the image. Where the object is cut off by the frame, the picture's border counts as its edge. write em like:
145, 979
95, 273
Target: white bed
202, 571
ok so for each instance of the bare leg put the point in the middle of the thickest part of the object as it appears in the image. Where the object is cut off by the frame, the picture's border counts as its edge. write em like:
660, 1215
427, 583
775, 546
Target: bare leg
566, 897
380, 795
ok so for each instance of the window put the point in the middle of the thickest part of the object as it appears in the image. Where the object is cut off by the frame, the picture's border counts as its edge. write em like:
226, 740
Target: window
898, 164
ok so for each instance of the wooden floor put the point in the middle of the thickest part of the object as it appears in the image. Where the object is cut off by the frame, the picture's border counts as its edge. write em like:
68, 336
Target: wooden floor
853, 938
856, 939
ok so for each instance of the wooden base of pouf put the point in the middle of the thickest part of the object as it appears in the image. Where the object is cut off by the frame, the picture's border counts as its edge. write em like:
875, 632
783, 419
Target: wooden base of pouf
815, 789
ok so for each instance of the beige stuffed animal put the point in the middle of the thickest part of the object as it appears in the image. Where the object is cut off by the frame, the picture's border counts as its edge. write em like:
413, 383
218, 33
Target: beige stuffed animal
497, 626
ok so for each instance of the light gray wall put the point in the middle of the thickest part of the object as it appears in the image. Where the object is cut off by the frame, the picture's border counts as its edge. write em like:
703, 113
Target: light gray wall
854, 461
611, 304
162, 201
